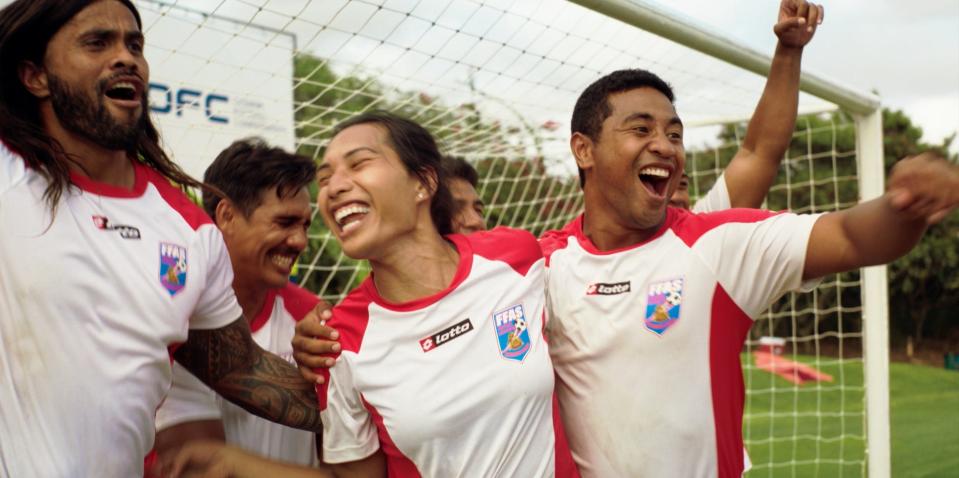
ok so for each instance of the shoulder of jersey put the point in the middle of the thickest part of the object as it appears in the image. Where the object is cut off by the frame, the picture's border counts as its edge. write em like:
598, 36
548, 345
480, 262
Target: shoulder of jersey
194, 215
690, 226
516, 247
297, 300
12, 166
552, 241
351, 316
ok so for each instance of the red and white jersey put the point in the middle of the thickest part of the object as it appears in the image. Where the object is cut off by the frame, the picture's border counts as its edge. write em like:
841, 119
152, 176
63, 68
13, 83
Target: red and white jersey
716, 199
455, 384
191, 400
646, 339
90, 301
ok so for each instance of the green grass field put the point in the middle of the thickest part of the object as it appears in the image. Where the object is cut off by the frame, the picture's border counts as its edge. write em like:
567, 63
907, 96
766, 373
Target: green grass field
817, 429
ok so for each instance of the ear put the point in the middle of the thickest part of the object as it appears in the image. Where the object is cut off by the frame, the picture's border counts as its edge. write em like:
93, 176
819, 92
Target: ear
226, 215
34, 79
424, 191
582, 148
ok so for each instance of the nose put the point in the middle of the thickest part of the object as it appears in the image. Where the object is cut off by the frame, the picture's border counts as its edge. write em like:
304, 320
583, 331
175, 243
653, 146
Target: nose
338, 183
663, 146
473, 221
123, 57
298, 239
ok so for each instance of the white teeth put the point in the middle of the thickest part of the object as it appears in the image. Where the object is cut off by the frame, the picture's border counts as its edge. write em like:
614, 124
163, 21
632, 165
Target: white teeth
350, 226
344, 212
658, 172
124, 84
282, 261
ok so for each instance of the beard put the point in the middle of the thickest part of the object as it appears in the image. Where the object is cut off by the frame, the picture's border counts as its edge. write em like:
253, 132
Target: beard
79, 114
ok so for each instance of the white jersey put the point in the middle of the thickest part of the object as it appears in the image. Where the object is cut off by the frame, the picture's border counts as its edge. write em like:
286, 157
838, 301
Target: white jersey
716, 199
455, 384
190, 400
90, 301
646, 339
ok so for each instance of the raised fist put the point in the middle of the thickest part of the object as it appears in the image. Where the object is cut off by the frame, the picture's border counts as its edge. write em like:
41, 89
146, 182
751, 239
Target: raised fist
797, 22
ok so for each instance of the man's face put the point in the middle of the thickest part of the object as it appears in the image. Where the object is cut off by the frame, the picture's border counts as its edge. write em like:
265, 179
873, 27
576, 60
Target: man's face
96, 75
639, 158
680, 198
468, 214
264, 246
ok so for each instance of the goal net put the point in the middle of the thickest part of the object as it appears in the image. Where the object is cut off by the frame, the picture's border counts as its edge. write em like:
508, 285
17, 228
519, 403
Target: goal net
496, 81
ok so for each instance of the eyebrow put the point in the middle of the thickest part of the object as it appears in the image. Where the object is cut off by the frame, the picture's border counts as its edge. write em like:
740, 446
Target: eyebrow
360, 149
292, 217
648, 117
106, 32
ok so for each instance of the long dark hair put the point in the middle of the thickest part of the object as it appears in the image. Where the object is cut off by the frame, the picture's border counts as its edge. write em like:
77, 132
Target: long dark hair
26, 27
418, 151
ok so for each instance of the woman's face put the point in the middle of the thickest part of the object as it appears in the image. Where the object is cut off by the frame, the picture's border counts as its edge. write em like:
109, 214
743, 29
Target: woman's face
366, 195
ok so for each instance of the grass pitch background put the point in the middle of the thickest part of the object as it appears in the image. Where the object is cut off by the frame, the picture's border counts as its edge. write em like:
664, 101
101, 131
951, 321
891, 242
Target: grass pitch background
782, 425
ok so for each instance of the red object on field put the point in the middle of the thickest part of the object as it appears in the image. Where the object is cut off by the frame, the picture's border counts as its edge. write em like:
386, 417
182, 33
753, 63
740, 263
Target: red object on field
794, 372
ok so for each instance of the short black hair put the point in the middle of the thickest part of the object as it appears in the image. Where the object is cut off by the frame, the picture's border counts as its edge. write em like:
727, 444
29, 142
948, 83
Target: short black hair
592, 107
248, 168
417, 149
458, 167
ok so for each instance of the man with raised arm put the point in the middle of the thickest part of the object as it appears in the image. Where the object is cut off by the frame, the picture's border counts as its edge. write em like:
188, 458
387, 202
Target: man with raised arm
104, 265
650, 305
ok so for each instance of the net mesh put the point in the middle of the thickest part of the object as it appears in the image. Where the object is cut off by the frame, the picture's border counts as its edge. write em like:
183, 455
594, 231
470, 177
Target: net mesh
496, 81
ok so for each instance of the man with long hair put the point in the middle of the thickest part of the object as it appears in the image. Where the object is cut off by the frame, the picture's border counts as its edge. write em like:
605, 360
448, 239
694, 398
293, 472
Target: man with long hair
104, 264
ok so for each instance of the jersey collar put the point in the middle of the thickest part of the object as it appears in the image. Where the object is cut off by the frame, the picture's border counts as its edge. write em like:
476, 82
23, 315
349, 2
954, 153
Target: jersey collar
108, 190
265, 312
587, 245
465, 251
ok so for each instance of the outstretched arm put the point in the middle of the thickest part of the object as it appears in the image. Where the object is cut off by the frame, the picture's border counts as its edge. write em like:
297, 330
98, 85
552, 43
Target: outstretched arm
229, 362
753, 169
921, 192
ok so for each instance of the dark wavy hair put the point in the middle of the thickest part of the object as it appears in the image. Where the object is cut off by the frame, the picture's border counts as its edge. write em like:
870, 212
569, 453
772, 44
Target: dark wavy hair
26, 27
250, 167
417, 149
592, 107
458, 167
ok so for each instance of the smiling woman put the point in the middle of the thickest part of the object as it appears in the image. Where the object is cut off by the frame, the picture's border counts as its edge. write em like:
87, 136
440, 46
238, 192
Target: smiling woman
444, 333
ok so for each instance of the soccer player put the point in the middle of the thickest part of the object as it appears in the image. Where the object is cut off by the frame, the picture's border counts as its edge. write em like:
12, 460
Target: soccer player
264, 216
104, 265
467, 205
650, 305
443, 363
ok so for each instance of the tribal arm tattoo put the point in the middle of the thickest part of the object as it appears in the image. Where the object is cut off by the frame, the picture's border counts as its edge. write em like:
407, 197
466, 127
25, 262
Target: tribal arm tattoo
231, 363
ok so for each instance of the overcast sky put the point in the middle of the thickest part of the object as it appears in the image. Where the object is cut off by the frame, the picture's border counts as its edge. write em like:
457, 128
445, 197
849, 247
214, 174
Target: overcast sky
907, 51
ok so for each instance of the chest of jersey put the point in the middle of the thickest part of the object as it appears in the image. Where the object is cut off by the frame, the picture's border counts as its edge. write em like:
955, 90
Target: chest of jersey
658, 298
91, 301
123, 264
454, 374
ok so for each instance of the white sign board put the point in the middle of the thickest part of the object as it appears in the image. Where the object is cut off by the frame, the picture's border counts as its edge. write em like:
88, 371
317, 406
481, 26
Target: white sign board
215, 80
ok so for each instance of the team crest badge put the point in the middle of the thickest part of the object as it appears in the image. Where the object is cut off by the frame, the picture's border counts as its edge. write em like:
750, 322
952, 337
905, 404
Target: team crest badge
663, 303
172, 267
512, 333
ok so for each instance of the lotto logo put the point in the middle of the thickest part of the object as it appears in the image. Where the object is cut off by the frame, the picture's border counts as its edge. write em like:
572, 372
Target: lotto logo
615, 288
445, 335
